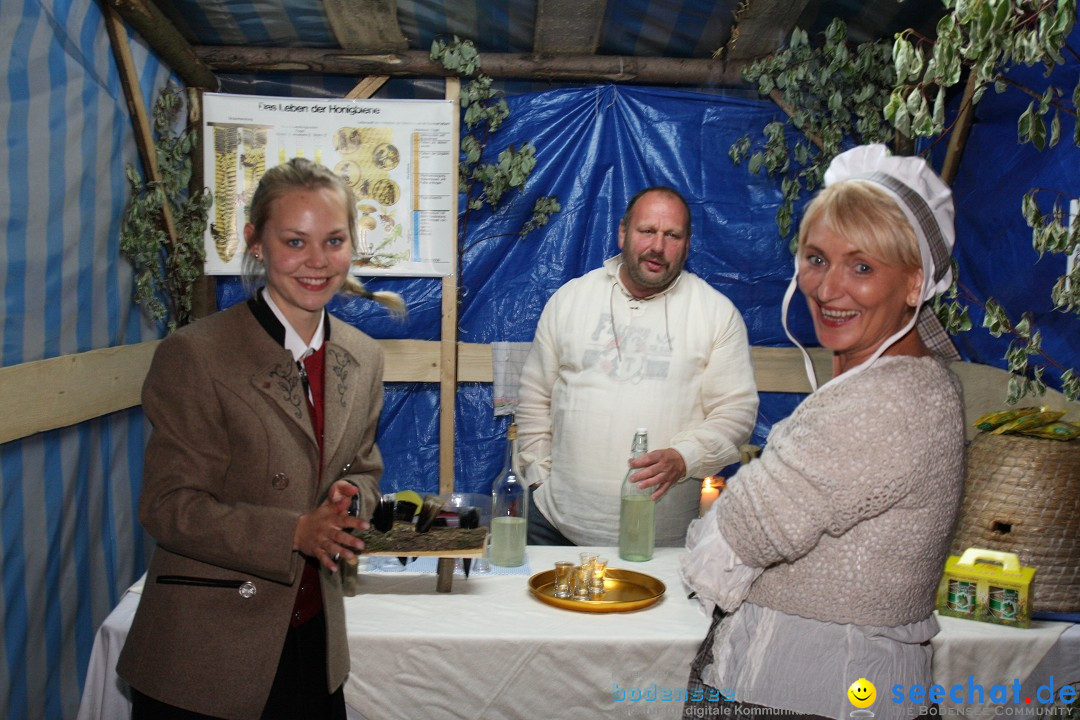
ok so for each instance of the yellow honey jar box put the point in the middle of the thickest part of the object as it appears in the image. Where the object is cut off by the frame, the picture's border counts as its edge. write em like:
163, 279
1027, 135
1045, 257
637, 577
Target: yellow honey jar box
986, 585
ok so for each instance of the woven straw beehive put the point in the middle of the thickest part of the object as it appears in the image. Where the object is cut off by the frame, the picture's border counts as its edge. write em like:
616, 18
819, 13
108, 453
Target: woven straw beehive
1022, 495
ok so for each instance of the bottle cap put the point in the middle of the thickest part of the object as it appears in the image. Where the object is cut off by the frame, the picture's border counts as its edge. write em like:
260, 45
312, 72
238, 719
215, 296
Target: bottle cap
642, 430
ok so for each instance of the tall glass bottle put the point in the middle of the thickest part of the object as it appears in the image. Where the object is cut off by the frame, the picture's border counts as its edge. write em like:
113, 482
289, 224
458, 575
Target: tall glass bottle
509, 511
637, 524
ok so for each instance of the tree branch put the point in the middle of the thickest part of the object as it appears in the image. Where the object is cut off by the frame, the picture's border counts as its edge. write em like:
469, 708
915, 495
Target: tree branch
777, 97
971, 297
1025, 89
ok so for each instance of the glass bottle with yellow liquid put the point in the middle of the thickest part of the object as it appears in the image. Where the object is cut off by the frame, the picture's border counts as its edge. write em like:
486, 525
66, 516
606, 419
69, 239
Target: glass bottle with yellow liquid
509, 511
637, 512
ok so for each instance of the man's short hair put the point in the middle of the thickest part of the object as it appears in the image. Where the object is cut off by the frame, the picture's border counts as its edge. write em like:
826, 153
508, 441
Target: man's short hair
671, 192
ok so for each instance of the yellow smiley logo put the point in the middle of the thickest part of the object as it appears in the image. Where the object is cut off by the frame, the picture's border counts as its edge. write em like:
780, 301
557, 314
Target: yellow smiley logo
862, 693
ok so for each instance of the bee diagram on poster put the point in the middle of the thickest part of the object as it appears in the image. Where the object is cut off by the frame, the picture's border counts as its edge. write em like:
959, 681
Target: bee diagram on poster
396, 155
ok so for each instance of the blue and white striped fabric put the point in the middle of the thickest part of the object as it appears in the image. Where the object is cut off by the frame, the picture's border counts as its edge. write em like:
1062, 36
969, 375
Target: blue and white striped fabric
672, 28
67, 499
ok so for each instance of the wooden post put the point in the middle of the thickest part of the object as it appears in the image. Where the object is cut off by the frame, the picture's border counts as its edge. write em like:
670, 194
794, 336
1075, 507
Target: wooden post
367, 87
778, 97
144, 139
448, 354
445, 580
961, 130
204, 296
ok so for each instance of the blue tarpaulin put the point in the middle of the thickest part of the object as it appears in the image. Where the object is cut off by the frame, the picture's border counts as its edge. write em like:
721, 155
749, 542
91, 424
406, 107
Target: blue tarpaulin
994, 249
596, 147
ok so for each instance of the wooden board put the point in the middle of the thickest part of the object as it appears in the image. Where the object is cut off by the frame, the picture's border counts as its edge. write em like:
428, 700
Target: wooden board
401, 538
474, 553
62, 391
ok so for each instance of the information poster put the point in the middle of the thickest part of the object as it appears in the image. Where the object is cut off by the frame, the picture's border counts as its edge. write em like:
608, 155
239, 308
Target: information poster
396, 155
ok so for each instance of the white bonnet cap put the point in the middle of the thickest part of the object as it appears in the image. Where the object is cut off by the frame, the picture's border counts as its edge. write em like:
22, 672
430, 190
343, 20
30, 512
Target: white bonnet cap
927, 203
920, 193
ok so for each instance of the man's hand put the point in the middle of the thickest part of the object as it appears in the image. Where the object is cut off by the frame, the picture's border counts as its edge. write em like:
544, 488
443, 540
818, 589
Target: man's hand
659, 469
323, 532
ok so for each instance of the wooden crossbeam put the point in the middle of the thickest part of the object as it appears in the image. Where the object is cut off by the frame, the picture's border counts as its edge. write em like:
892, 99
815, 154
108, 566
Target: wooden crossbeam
58, 392
163, 37
415, 63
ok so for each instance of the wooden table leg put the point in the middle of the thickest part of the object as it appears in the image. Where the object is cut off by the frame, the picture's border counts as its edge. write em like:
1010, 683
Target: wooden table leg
446, 575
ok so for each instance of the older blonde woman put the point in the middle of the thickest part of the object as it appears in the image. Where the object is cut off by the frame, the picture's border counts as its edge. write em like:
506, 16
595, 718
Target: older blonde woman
823, 555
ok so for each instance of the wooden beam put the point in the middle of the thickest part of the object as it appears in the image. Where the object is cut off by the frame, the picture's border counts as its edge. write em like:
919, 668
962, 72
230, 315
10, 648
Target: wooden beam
140, 121
133, 97
415, 63
448, 361
204, 296
66, 390
961, 130
58, 392
568, 27
761, 26
368, 24
421, 361
781, 369
778, 97
366, 87
165, 40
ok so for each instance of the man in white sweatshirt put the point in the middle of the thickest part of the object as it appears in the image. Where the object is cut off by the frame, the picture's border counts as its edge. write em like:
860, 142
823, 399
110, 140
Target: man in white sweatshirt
639, 342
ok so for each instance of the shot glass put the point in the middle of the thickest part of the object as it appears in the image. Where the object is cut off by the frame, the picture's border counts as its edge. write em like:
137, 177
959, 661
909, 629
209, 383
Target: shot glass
564, 572
597, 572
383, 518
582, 576
432, 506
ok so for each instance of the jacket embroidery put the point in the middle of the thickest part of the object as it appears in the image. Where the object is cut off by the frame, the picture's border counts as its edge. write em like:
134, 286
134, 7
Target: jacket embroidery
287, 380
340, 368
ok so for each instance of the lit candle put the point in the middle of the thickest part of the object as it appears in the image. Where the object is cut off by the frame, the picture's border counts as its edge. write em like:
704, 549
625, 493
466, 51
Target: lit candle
709, 493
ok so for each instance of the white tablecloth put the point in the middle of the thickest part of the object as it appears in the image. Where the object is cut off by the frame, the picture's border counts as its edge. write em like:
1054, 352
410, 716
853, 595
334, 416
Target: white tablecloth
969, 653
486, 649
489, 649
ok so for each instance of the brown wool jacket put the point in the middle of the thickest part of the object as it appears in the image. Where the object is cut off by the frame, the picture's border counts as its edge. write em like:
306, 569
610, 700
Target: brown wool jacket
231, 464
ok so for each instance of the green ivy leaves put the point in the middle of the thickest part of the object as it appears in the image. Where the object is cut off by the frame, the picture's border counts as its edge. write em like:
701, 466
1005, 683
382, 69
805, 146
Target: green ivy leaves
1051, 232
456, 56
988, 37
838, 93
831, 93
1025, 380
952, 314
165, 273
488, 182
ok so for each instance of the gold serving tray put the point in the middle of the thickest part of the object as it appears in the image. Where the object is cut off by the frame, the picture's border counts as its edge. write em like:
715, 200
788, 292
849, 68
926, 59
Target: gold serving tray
624, 590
